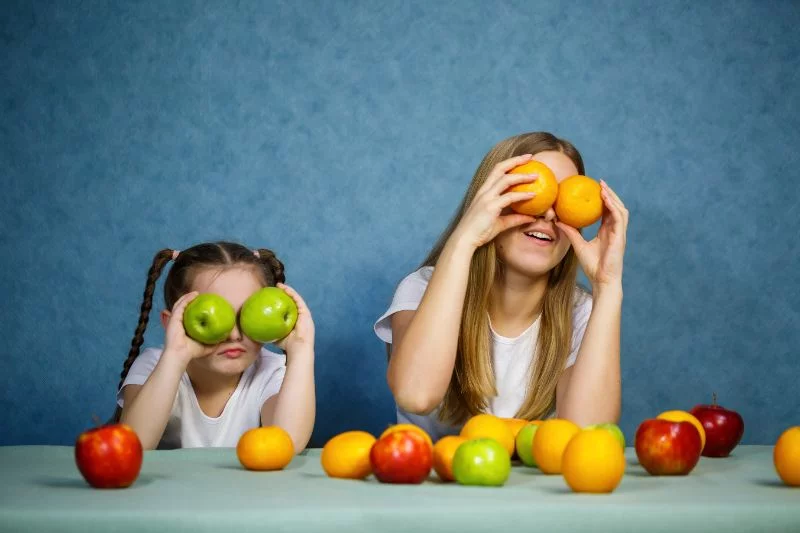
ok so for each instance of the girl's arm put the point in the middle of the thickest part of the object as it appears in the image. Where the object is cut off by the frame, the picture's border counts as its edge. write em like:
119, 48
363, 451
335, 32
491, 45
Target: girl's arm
590, 391
294, 407
146, 408
425, 341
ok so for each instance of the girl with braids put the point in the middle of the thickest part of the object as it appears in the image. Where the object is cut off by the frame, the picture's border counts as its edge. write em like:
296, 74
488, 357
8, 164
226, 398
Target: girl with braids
192, 395
494, 321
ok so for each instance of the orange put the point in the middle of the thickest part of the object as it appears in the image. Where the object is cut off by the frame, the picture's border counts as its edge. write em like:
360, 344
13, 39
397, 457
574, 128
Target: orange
551, 440
579, 203
545, 187
491, 427
593, 461
443, 453
265, 448
412, 427
786, 456
683, 416
347, 455
515, 424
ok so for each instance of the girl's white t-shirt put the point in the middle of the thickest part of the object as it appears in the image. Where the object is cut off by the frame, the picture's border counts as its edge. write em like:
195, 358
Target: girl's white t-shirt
512, 358
189, 427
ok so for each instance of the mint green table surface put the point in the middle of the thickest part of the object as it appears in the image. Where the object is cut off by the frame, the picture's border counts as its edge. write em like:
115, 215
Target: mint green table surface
207, 490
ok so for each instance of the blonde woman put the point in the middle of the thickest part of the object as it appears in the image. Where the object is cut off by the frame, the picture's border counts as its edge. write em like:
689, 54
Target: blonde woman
494, 320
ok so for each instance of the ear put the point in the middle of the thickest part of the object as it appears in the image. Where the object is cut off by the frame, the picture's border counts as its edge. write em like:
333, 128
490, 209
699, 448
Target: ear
165, 318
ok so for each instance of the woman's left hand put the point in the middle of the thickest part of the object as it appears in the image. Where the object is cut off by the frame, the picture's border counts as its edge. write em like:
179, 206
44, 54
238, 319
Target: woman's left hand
302, 335
601, 258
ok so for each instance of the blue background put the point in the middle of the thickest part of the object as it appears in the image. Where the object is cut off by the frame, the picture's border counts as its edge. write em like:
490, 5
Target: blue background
343, 134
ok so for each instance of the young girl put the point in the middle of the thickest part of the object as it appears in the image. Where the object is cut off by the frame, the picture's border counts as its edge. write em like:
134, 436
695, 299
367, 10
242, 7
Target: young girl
494, 320
192, 395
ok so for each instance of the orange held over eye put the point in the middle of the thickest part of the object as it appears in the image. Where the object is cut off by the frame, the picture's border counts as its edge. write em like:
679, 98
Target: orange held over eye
265, 448
786, 456
545, 187
347, 455
579, 203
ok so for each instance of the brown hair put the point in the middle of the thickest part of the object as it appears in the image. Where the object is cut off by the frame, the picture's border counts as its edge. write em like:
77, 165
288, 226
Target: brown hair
219, 255
473, 379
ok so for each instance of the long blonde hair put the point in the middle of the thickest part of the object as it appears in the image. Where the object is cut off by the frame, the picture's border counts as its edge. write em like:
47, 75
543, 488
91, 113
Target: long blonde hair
473, 379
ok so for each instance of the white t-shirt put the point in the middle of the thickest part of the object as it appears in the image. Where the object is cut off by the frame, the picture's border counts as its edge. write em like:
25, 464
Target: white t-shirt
189, 427
512, 358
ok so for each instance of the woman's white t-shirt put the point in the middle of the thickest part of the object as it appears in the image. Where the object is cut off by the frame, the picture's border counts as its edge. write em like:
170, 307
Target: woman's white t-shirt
189, 427
512, 358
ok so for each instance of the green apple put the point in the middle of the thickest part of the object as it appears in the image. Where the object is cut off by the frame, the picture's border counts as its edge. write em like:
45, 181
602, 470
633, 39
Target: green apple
613, 428
525, 444
268, 315
209, 318
481, 462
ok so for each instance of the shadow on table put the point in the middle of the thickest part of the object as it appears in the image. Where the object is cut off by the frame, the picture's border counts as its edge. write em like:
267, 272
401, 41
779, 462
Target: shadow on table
79, 483
297, 463
776, 483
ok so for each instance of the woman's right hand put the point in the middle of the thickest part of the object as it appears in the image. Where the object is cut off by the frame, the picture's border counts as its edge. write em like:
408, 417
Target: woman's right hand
177, 342
483, 219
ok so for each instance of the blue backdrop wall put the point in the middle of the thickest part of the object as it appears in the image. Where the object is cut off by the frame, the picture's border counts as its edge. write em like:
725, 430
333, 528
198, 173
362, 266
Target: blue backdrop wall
343, 134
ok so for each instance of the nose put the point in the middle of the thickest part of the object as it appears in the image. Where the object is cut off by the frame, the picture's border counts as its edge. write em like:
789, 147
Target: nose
235, 335
549, 215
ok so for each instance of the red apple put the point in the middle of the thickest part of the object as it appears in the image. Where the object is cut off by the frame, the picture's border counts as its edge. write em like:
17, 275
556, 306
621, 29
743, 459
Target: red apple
401, 457
724, 428
109, 456
667, 448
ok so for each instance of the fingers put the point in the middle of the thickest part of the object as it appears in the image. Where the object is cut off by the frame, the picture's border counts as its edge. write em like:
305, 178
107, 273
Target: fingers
613, 203
509, 180
501, 168
182, 302
507, 199
575, 238
301, 304
507, 222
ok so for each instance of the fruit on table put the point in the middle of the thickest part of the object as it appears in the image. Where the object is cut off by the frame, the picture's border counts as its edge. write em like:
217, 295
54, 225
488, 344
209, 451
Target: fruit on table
265, 448
611, 427
723, 428
551, 440
579, 203
786, 456
408, 427
346, 455
402, 456
443, 452
481, 461
524, 443
490, 427
593, 461
545, 186
209, 318
109, 456
665, 447
268, 315
685, 416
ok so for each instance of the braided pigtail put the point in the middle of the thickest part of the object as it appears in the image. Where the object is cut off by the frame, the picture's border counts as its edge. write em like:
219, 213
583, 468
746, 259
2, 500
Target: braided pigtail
159, 261
273, 264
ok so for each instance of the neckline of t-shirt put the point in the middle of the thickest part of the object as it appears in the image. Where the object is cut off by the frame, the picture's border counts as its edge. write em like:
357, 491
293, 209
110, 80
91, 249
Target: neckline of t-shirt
226, 409
512, 340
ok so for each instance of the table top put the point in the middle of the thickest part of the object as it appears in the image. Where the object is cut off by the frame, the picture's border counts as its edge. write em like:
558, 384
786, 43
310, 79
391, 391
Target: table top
208, 490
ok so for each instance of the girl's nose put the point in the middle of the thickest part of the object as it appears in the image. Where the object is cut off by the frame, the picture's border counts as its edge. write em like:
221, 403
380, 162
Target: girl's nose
549, 215
235, 335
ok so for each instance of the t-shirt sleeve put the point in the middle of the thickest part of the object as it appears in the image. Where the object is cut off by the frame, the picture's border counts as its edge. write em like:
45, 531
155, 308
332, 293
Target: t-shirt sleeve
270, 374
580, 317
406, 298
140, 370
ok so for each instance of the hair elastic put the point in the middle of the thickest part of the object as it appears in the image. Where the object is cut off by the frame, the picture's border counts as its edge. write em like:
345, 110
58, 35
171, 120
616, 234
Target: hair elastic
255, 253
175, 254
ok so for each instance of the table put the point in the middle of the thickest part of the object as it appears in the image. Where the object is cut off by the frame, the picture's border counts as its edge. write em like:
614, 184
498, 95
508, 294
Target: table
197, 490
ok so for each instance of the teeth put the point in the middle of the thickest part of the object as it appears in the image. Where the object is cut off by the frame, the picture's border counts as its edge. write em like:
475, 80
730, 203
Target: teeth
539, 235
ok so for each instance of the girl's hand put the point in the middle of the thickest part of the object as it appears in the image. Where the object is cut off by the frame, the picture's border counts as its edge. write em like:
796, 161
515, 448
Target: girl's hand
601, 258
177, 342
302, 336
482, 220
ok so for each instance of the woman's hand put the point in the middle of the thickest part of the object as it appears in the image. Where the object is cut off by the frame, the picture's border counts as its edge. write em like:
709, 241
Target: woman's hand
601, 258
